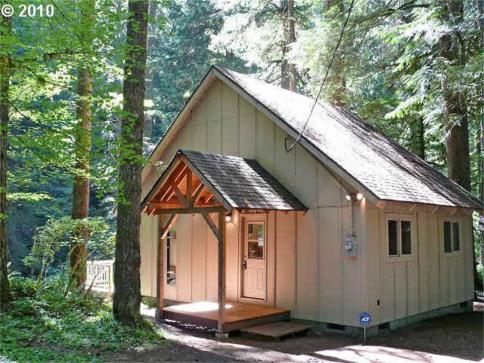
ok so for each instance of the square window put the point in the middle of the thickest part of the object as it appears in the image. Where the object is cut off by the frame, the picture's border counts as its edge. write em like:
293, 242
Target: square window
392, 238
399, 237
406, 234
447, 237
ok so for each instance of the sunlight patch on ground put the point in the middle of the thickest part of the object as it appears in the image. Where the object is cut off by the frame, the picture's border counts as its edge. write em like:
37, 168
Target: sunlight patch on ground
145, 310
369, 353
198, 307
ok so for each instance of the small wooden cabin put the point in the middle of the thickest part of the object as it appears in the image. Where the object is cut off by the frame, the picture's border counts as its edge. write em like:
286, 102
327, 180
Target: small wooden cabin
345, 222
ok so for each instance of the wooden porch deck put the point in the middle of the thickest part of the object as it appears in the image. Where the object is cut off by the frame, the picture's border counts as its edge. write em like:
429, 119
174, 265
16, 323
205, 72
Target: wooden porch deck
237, 315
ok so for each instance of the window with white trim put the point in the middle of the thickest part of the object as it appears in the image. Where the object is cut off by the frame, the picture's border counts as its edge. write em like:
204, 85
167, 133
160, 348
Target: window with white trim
399, 237
451, 237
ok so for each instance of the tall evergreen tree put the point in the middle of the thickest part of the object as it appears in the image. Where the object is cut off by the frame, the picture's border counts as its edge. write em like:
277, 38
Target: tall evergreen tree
336, 83
179, 55
452, 49
127, 294
82, 147
288, 68
80, 192
5, 70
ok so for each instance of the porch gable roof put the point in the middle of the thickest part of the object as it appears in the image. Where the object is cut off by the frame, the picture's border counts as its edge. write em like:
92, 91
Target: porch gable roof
237, 183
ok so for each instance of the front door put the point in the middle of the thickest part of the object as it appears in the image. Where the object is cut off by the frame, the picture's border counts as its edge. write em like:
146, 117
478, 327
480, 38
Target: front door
254, 260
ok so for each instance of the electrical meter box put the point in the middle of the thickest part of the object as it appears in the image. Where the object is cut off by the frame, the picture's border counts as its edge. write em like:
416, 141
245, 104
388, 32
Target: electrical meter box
350, 244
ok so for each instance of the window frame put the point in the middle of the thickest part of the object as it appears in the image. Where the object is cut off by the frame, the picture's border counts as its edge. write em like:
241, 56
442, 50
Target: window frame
452, 221
413, 237
170, 240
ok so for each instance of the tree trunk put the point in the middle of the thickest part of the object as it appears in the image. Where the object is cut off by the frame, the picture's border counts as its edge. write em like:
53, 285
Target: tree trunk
457, 140
5, 69
456, 123
80, 192
152, 13
127, 297
336, 80
480, 141
288, 69
457, 144
480, 171
417, 141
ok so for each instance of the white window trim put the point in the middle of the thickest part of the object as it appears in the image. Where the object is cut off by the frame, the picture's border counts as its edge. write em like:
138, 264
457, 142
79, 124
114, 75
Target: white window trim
413, 242
441, 237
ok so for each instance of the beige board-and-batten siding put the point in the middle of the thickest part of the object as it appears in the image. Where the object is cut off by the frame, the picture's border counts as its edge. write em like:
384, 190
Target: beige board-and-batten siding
427, 280
308, 270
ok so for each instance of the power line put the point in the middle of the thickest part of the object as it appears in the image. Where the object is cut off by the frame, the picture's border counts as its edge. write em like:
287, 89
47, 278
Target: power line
288, 149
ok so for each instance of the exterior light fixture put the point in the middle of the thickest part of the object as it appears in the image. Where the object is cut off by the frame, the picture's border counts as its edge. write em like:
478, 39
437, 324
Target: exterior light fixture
159, 165
354, 196
228, 218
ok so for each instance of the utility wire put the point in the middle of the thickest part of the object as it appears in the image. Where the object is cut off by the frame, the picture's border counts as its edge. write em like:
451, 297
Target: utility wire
288, 149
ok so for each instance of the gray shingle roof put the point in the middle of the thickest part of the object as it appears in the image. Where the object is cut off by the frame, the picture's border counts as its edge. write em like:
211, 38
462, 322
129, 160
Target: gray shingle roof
243, 183
383, 167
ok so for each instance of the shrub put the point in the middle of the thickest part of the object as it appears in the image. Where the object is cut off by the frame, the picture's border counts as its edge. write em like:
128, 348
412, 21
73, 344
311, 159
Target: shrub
45, 324
57, 236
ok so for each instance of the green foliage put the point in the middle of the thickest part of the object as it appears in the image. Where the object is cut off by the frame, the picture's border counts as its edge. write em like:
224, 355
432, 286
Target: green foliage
179, 55
47, 53
58, 235
44, 325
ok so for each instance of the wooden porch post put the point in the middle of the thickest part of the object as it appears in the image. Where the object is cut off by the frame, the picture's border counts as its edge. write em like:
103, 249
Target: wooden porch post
221, 274
160, 279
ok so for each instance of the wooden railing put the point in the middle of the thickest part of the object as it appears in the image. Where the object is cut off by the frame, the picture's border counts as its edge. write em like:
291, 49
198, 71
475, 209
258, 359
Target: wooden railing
100, 275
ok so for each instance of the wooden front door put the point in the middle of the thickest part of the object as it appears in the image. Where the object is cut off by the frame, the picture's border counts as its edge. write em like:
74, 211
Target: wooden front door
254, 260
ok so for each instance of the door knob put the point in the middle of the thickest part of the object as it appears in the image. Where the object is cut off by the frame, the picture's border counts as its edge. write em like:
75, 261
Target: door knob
244, 265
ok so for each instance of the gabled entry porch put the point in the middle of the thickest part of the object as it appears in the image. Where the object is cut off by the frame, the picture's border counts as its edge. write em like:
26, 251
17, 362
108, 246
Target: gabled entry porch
217, 187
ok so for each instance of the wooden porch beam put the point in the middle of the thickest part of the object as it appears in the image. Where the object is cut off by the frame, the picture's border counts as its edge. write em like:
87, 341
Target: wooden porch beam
198, 209
197, 193
209, 198
180, 195
176, 178
156, 205
189, 188
210, 223
167, 226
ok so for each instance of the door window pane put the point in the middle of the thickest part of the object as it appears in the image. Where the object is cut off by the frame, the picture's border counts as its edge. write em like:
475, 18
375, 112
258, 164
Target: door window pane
447, 237
406, 230
455, 236
256, 240
392, 238
256, 231
255, 251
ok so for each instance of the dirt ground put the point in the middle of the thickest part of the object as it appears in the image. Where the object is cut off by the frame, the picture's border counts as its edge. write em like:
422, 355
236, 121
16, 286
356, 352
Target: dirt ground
452, 338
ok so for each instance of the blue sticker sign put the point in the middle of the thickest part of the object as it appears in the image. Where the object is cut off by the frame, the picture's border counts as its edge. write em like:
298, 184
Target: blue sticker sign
365, 319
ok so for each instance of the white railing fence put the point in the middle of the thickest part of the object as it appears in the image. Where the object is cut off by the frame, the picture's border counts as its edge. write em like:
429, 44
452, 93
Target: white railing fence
100, 275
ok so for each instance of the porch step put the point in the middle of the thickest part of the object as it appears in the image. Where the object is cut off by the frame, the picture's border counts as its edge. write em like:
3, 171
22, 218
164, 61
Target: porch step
277, 330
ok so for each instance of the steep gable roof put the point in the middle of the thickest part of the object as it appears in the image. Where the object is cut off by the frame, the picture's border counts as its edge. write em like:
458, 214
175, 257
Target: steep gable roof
350, 147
